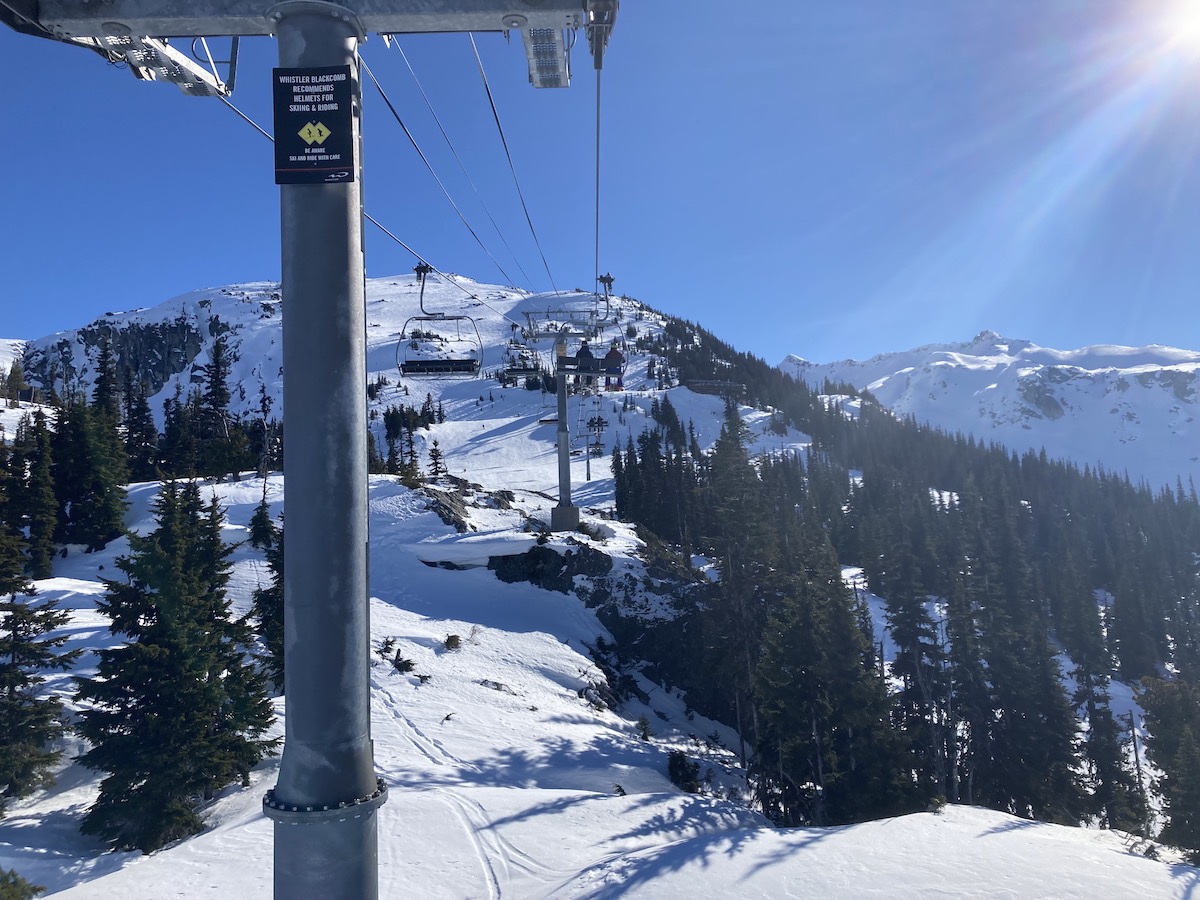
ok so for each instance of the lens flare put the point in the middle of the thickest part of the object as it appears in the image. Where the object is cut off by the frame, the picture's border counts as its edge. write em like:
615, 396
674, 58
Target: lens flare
1181, 25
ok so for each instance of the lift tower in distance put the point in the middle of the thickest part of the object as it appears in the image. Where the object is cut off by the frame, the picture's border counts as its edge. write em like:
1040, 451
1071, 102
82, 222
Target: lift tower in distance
325, 800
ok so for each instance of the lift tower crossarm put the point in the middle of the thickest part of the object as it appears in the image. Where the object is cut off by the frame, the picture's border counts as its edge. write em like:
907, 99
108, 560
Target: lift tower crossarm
199, 18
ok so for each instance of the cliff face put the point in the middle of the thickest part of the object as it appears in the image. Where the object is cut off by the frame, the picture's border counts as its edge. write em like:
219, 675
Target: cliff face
152, 353
161, 348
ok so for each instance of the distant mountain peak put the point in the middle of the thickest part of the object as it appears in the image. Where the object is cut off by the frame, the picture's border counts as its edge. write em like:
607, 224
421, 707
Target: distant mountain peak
1127, 409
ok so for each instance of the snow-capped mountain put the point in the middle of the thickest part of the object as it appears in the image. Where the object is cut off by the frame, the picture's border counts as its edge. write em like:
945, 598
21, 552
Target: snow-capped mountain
9, 350
508, 773
1132, 410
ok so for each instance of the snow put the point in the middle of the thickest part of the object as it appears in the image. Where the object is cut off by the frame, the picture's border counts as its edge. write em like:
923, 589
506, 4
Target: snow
9, 350
503, 769
9, 417
1133, 410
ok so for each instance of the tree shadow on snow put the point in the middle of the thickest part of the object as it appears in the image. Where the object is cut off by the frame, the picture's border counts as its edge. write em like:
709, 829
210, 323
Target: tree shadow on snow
1189, 878
644, 867
1012, 825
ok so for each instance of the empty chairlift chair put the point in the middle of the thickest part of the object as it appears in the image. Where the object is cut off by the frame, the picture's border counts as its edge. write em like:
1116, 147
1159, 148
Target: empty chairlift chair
426, 346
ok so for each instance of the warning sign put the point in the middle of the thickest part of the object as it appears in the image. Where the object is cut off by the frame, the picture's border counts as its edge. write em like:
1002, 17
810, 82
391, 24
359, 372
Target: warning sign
314, 125
314, 133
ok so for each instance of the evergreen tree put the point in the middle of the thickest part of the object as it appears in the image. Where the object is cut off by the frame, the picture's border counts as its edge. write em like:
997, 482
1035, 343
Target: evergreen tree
262, 530
179, 711
620, 485
15, 383
29, 724
827, 744
920, 702
89, 477
14, 887
1116, 799
1173, 718
222, 444
141, 436
41, 505
436, 461
1183, 830
106, 395
737, 533
178, 448
267, 610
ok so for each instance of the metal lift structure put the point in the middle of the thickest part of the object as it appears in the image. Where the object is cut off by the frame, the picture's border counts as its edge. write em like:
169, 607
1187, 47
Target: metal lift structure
325, 801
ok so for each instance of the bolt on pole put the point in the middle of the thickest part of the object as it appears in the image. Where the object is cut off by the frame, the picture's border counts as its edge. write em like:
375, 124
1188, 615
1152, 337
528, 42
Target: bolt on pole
325, 801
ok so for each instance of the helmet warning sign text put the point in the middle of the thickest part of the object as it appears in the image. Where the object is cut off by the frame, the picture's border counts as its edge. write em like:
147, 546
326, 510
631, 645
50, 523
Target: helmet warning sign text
314, 125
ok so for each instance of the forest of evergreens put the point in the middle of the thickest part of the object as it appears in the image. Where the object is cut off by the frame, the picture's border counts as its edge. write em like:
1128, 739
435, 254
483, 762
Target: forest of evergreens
991, 565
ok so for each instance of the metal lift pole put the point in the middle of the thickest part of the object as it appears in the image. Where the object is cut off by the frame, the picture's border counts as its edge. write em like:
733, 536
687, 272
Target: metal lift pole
564, 516
324, 803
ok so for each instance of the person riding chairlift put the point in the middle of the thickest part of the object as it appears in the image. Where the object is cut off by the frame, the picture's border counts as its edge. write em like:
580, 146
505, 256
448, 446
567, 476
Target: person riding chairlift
614, 359
585, 364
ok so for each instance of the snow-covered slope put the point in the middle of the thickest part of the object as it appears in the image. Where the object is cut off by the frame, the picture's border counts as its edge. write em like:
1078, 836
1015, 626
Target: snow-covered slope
504, 764
9, 350
503, 769
496, 437
1129, 409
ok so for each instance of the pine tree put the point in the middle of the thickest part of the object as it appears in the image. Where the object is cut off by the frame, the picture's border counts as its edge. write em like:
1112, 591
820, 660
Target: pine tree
178, 449
920, 705
1115, 797
827, 744
436, 464
1183, 794
15, 383
141, 436
14, 887
242, 712
267, 610
89, 477
263, 532
222, 444
41, 506
1173, 718
620, 484
736, 532
179, 711
106, 395
29, 724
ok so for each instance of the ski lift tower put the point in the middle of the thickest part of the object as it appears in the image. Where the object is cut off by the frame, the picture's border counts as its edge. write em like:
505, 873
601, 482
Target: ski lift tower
325, 800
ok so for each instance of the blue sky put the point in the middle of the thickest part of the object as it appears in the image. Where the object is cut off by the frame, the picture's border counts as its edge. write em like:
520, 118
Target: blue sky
828, 179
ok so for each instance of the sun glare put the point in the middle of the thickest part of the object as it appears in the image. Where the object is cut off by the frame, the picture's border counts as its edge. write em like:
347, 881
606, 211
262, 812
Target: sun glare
1181, 22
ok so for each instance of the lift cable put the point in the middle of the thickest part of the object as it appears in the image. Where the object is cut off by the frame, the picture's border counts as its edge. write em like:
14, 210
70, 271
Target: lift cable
449, 279
511, 166
508, 278
597, 281
246, 118
396, 42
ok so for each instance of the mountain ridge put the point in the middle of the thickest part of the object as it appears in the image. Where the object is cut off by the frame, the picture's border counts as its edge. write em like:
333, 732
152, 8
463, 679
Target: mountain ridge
1132, 410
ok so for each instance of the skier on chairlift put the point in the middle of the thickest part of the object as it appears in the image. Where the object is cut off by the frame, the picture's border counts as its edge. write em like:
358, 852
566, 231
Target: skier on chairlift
585, 364
613, 362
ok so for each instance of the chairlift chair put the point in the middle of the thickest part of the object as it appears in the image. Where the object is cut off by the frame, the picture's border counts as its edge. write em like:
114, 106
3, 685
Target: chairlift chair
521, 360
426, 348
611, 366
